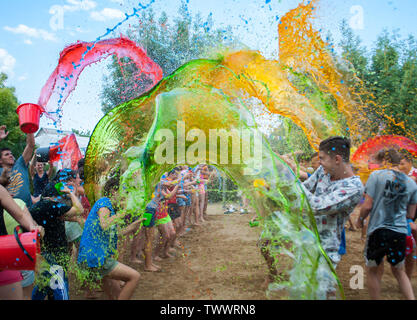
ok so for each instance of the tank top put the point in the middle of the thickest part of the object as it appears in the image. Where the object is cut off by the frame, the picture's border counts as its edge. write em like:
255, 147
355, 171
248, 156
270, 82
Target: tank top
39, 183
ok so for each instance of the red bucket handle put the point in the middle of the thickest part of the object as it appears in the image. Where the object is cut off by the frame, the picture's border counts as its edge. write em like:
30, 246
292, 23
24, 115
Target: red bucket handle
16, 235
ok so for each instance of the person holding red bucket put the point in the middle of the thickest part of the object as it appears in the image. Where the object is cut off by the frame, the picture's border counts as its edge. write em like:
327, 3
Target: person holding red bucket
19, 185
10, 279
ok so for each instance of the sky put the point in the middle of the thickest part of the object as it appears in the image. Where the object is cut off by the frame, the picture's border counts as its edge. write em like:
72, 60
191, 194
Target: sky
33, 33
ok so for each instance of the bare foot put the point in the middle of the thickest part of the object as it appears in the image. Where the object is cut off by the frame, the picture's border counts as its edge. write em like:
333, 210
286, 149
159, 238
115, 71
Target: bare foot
151, 269
136, 261
157, 258
167, 256
156, 266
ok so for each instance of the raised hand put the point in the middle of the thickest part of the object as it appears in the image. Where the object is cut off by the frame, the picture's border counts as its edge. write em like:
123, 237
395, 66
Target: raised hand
3, 133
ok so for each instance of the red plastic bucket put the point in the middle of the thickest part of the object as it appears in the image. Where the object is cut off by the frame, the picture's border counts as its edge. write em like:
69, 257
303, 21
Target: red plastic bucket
19, 251
29, 115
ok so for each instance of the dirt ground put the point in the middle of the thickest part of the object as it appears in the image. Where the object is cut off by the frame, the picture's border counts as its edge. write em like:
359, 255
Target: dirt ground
220, 261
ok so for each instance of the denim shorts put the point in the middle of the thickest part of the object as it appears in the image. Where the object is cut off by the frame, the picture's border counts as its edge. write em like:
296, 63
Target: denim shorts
98, 273
28, 278
181, 202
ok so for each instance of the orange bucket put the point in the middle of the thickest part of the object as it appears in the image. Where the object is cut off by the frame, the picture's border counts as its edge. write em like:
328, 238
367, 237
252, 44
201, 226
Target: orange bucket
29, 115
19, 251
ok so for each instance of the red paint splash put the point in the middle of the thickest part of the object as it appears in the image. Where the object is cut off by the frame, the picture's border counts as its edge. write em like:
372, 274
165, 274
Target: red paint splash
76, 57
372, 146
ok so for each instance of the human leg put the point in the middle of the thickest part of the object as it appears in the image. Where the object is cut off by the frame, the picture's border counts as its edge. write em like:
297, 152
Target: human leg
410, 261
136, 248
374, 275
205, 205
149, 265
122, 273
13, 291
171, 237
196, 210
201, 199
403, 281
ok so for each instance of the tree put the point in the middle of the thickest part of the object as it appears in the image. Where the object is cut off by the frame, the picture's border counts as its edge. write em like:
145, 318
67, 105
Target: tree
16, 140
389, 77
170, 45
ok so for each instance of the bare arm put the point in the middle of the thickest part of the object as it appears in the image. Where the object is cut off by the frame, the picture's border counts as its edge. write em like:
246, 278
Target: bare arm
24, 218
302, 172
30, 146
169, 195
50, 170
131, 228
32, 166
3, 133
365, 210
76, 208
411, 211
105, 220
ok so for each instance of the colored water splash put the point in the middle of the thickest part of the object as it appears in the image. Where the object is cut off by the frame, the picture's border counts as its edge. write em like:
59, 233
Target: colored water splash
362, 158
75, 58
216, 94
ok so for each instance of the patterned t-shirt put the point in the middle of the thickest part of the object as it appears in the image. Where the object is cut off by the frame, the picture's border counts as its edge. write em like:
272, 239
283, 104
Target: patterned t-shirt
332, 202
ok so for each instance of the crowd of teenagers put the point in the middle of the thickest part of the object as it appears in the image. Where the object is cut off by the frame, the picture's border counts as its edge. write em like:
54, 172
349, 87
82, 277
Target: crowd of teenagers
98, 238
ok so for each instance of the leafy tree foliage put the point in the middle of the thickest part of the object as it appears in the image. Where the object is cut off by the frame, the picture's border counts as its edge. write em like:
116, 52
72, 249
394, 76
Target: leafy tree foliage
16, 140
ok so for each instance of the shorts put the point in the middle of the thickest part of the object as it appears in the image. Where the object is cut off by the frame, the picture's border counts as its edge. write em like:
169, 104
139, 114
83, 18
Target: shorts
28, 278
73, 231
165, 220
174, 211
9, 277
385, 242
151, 211
188, 201
51, 283
181, 202
100, 272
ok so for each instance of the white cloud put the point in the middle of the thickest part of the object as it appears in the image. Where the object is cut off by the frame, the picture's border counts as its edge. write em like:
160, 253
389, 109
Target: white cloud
22, 78
7, 62
107, 14
32, 32
28, 41
77, 5
120, 2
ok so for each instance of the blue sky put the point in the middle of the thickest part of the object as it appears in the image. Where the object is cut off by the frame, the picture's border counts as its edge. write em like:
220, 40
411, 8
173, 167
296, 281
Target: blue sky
32, 34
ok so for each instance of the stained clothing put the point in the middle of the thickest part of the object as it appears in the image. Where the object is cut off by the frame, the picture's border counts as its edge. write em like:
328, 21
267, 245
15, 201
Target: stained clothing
97, 244
392, 192
332, 202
